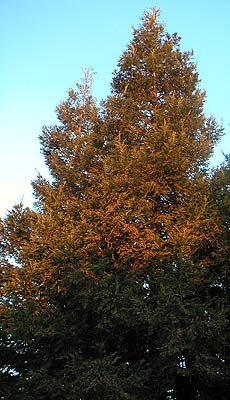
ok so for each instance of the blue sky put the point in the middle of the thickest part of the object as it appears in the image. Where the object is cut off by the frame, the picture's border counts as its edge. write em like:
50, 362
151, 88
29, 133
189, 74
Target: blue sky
45, 44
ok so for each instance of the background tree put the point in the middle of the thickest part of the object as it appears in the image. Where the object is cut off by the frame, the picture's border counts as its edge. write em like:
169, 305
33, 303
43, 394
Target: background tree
109, 290
220, 288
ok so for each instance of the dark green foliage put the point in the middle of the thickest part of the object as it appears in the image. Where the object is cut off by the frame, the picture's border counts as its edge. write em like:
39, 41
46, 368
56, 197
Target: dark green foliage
116, 286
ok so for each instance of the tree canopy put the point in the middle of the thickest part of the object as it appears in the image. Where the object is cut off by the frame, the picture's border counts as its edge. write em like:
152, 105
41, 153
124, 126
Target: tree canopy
115, 285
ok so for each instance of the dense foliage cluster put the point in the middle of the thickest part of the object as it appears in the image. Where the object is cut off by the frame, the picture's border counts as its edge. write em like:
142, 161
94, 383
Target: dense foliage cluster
115, 286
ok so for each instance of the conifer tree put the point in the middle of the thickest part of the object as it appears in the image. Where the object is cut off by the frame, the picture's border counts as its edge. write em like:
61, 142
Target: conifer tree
220, 289
108, 289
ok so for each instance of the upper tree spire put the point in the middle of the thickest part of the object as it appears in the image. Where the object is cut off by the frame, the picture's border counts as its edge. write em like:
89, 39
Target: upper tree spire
156, 85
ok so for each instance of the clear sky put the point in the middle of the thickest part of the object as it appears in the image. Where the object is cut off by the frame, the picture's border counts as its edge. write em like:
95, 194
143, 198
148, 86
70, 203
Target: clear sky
45, 44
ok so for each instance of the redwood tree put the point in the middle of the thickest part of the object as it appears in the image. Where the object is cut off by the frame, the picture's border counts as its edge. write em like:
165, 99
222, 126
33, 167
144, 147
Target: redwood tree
109, 289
